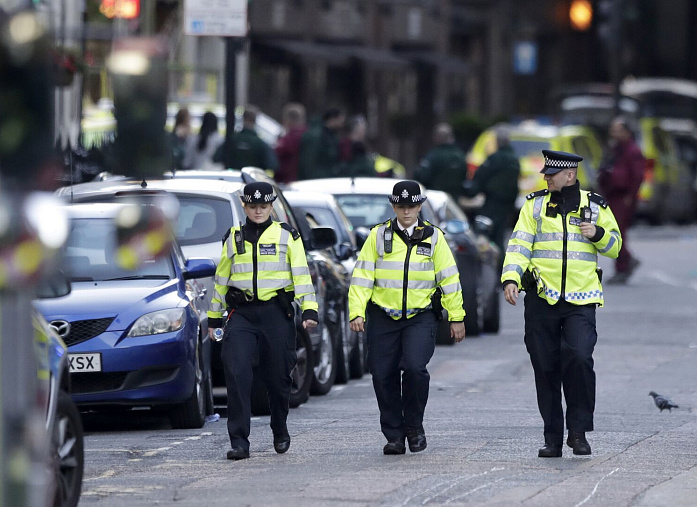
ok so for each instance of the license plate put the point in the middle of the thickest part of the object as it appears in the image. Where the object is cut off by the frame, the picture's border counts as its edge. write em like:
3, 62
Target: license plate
85, 362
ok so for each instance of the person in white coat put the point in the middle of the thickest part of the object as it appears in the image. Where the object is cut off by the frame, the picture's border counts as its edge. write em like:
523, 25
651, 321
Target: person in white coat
200, 148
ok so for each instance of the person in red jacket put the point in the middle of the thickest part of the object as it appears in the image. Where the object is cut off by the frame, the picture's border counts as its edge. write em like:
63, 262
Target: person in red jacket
288, 146
619, 183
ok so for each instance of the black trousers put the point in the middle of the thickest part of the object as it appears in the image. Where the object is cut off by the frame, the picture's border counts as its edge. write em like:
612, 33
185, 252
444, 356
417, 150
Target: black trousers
560, 339
398, 352
257, 331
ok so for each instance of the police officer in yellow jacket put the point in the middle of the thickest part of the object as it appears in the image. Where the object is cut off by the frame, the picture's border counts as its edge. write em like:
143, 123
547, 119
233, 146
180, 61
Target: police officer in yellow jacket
553, 256
405, 271
262, 268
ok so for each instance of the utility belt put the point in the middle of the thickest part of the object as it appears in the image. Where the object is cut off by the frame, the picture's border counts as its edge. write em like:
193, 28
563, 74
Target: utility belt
435, 306
237, 298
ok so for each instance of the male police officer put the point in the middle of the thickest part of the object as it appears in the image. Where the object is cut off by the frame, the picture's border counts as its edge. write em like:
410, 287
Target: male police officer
261, 269
553, 256
404, 268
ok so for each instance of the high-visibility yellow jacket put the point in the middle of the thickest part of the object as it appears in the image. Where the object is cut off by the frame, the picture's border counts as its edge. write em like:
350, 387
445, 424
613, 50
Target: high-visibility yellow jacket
276, 262
562, 260
402, 281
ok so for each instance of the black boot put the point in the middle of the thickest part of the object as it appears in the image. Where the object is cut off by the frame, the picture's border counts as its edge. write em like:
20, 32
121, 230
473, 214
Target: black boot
237, 453
550, 451
417, 439
396, 447
281, 443
577, 441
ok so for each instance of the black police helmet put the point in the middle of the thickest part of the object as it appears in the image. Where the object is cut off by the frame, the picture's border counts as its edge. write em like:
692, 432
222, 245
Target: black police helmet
557, 161
258, 192
407, 192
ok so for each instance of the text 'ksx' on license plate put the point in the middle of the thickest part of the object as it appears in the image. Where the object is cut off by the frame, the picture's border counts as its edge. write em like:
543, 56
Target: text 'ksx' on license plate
85, 362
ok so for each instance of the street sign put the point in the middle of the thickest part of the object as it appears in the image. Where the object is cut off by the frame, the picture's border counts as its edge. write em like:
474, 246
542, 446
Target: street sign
525, 57
224, 18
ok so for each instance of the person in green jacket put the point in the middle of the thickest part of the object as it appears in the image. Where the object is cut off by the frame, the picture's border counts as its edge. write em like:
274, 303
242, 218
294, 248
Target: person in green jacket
356, 160
246, 148
319, 147
444, 167
497, 179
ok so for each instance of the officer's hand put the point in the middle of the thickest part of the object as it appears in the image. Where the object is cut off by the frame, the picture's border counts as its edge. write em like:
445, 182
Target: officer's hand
510, 293
210, 333
587, 229
309, 324
357, 324
457, 331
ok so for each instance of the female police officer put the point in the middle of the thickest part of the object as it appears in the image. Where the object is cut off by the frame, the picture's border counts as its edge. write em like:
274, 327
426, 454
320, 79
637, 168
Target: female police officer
262, 264
400, 267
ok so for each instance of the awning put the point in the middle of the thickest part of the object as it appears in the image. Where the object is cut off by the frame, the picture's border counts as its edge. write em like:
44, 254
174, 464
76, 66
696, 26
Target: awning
308, 51
337, 54
375, 57
444, 63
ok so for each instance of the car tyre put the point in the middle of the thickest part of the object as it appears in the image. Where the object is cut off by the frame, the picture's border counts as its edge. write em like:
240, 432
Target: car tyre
303, 372
67, 449
343, 363
192, 413
325, 366
492, 314
470, 294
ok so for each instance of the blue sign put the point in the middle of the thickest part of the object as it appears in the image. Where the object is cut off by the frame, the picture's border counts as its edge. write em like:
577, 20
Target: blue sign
525, 58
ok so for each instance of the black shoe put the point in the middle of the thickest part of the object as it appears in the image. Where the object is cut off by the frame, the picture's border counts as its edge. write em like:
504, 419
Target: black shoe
416, 439
549, 451
577, 441
237, 453
394, 448
281, 444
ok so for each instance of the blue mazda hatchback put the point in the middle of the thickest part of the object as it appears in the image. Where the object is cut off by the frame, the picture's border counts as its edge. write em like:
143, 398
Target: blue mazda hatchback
138, 337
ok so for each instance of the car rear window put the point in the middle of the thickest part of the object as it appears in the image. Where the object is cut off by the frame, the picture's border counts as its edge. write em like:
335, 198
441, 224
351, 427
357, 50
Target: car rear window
365, 210
202, 220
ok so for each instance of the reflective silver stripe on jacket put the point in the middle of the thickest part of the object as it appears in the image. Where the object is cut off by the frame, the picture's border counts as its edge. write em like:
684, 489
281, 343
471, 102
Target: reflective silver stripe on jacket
445, 273
537, 211
518, 249
300, 271
555, 254
523, 236
362, 282
230, 245
450, 288
307, 297
385, 283
273, 284
559, 236
513, 267
399, 265
380, 240
367, 265
610, 243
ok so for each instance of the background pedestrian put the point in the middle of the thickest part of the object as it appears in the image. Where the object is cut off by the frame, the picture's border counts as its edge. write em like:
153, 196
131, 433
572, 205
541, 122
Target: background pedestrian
288, 145
319, 147
357, 161
444, 167
201, 148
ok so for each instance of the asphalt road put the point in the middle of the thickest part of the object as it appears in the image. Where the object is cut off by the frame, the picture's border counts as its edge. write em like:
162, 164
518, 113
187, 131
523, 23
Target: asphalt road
482, 423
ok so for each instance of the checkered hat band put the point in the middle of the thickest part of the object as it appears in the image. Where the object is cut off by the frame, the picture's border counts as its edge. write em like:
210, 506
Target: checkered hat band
564, 164
248, 198
414, 198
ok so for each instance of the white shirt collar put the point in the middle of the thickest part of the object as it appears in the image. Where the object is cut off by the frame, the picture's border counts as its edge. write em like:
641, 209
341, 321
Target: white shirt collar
408, 230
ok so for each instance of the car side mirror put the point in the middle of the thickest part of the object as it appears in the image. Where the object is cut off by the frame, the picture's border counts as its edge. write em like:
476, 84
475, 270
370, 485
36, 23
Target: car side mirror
362, 234
322, 237
54, 285
198, 267
483, 225
455, 226
345, 251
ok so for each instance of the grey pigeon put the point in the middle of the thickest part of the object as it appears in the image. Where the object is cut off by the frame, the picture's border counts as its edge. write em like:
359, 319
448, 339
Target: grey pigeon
662, 402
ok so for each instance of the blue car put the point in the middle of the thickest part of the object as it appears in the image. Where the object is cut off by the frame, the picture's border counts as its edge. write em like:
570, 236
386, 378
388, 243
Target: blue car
136, 338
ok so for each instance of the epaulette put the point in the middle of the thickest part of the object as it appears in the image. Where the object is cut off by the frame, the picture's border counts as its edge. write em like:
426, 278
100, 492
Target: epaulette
226, 236
381, 223
598, 199
429, 224
537, 194
290, 229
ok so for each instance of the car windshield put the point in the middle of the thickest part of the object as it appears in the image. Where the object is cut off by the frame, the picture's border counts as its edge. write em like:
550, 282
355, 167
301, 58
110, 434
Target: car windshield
529, 147
202, 220
89, 255
365, 210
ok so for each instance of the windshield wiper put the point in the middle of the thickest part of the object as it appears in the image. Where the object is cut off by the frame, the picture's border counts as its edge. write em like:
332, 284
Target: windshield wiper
138, 277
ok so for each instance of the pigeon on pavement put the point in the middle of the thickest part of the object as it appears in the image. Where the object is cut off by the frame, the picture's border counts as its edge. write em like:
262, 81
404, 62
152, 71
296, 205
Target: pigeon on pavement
662, 402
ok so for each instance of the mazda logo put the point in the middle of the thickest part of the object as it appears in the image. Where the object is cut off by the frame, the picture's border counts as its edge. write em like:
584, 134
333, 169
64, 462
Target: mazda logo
61, 327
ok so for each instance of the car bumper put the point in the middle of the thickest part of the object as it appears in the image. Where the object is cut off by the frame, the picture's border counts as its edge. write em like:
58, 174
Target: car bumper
147, 370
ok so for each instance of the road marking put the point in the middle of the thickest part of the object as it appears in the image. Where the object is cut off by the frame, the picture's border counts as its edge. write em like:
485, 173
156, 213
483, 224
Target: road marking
474, 490
337, 389
153, 452
669, 280
458, 480
105, 475
595, 488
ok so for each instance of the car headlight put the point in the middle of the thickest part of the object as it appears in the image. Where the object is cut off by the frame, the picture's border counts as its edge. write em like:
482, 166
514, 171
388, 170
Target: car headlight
164, 321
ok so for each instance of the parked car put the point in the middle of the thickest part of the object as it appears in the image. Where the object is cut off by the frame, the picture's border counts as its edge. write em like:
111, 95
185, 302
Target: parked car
135, 337
63, 422
312, 209
209, 205
528, 140
364, 201
478, 260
